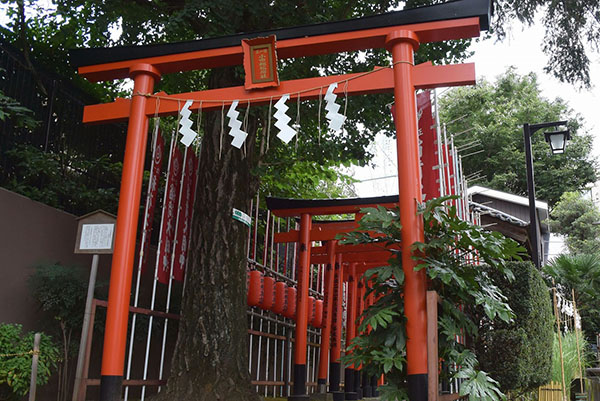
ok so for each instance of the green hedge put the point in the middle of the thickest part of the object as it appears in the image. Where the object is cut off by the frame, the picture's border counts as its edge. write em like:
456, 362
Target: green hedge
518, 354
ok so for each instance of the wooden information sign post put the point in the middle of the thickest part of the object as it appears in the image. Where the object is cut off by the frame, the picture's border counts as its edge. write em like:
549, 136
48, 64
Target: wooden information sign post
95, 235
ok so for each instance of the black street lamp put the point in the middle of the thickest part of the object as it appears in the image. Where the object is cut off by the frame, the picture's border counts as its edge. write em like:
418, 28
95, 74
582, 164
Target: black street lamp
558, 142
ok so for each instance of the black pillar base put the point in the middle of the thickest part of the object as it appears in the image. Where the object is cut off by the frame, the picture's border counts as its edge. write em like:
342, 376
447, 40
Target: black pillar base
374, 391
417, 387
349, 392
334, 377
367, 391
358, 384
338, 395
299, 388
110, 388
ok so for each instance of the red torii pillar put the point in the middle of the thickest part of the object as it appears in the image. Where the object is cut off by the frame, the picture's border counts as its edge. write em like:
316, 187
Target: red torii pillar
327, 321
336, 332
299, 375
349, 372
360, 307
115, 336
402, 44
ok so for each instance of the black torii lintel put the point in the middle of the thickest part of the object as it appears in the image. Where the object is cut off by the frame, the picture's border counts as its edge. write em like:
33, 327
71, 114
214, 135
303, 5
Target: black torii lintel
295, 207
438, 12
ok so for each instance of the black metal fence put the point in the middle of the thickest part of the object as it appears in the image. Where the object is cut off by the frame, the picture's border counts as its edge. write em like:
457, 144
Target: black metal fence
57, 106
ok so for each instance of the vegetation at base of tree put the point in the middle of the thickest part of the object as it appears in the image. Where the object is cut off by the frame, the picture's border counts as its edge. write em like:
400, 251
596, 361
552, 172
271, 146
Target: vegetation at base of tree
467, 292
61, 292
495, 113
15, 361
577, 218
516, 352
582, 274
570, 358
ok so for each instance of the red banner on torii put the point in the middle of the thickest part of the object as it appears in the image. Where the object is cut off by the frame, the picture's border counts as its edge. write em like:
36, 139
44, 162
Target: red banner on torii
430, 168
184, 220
169, 217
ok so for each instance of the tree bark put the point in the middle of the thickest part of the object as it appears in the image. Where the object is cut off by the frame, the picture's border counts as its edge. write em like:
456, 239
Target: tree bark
211, 356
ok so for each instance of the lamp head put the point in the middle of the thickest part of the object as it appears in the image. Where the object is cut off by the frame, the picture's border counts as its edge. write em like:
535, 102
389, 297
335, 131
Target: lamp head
557, 140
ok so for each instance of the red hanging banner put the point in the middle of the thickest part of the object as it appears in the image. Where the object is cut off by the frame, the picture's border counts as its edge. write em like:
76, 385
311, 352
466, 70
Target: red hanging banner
430, 171
169, 216
185, 214
157, 160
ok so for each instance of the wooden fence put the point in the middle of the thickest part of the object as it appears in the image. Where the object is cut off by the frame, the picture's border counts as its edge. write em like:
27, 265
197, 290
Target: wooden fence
550, 392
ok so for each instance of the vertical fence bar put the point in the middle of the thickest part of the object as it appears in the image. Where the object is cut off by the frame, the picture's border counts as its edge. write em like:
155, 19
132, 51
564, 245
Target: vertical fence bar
438, 135
171, 277
139, 269
258, 355
255, 227
155, 282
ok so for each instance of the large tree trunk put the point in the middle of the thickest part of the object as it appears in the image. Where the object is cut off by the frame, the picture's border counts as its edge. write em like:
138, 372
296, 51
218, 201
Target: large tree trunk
211, 356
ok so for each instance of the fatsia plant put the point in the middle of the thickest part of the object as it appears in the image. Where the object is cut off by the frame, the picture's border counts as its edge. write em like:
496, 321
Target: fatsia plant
457, 256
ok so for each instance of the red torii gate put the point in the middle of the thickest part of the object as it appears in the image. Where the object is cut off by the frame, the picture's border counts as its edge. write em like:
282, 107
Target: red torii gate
359, 258
400, 32
352, 261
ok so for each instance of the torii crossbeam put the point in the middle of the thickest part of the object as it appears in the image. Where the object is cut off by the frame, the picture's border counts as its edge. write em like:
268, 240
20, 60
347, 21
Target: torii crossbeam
400, 32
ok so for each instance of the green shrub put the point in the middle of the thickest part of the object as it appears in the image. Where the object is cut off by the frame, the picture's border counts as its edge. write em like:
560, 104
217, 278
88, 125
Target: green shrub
516, 353
61, 292
15, 361
448, 254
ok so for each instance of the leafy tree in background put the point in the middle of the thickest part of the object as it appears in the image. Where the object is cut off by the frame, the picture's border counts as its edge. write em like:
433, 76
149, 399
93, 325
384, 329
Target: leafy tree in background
496, 113
572, 31
582, 274
578, 219
63, 180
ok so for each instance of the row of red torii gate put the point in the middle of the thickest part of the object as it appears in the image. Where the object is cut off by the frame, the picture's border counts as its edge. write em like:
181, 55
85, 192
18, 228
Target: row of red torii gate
336, 283
401, 33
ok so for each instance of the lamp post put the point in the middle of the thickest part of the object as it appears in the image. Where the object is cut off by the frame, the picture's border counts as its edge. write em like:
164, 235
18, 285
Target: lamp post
557, 141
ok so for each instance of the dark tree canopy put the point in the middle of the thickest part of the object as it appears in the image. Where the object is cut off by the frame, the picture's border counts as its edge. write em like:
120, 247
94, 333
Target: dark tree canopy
572, 31
496, 113
577, 219
572, 27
